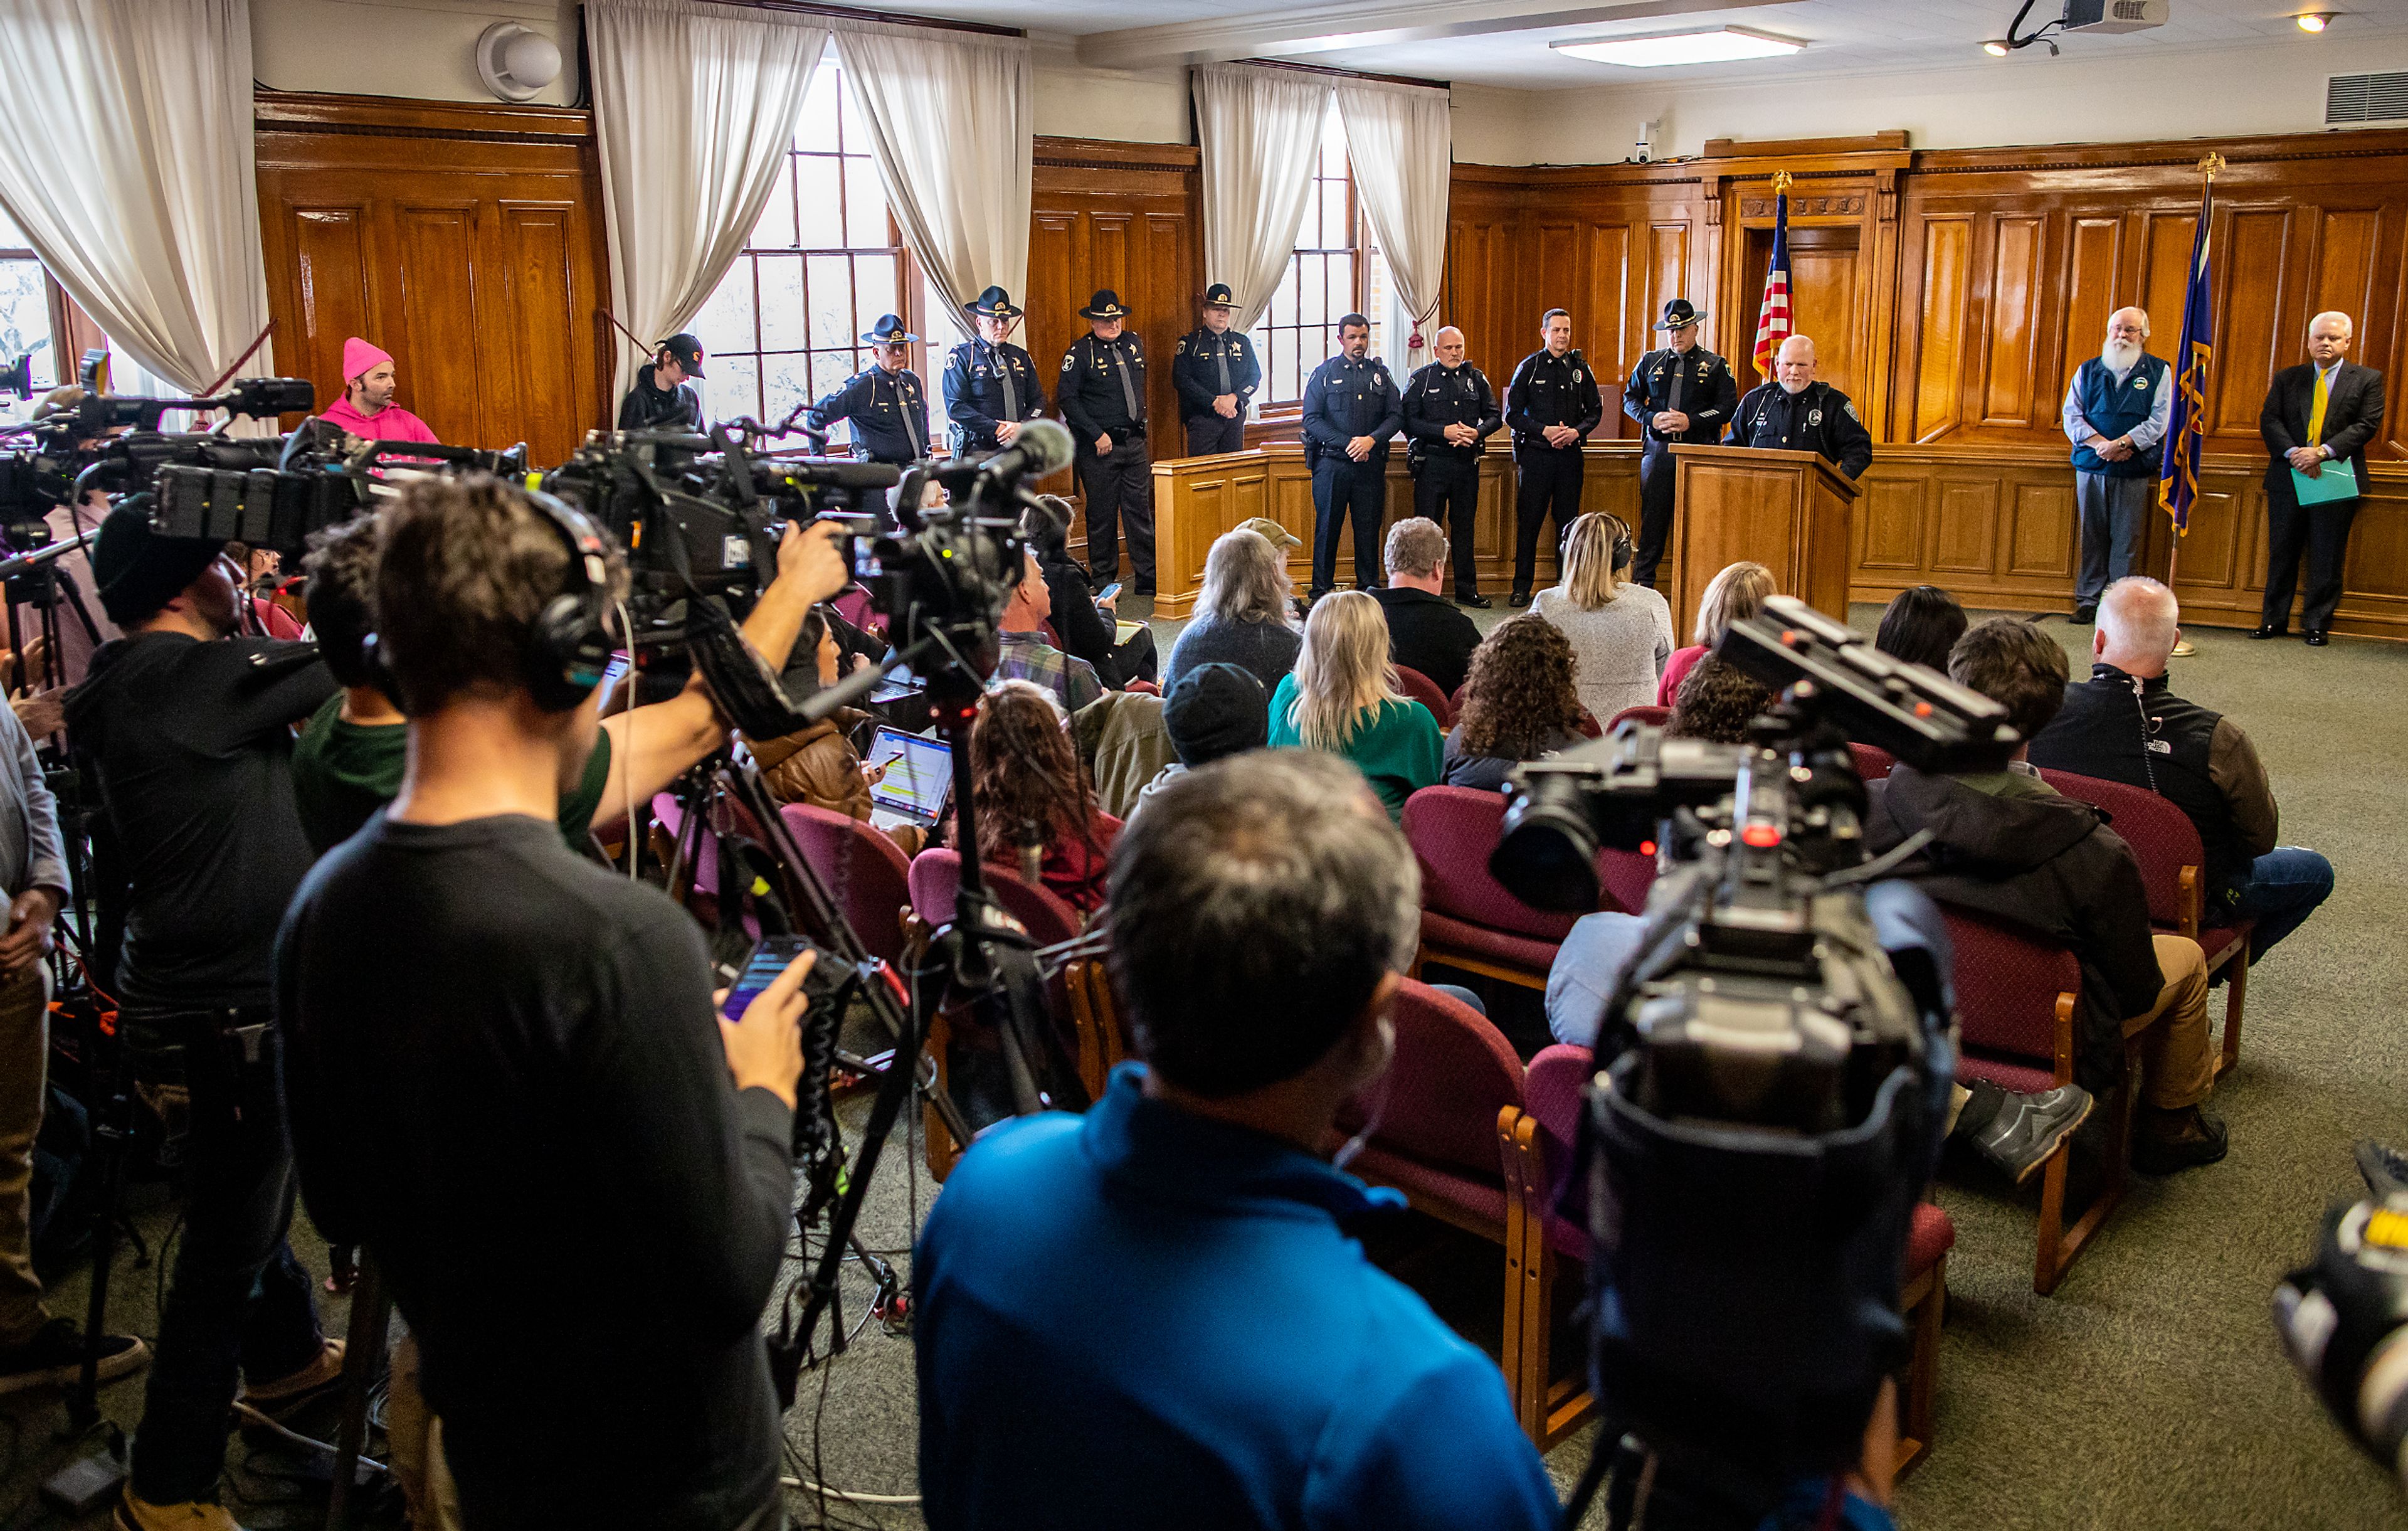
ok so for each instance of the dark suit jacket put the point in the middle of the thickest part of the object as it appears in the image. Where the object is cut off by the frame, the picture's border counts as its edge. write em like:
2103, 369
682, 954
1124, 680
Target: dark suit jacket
1429, 633
2353, 413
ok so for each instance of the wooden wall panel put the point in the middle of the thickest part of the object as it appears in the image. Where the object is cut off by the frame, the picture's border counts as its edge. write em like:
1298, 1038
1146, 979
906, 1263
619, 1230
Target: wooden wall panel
1947, 253
2093, 265
2252, 335
2345, 272
2010, 383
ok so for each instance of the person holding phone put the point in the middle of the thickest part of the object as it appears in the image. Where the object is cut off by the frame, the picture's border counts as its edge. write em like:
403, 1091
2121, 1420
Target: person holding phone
506, 1063
1087, 619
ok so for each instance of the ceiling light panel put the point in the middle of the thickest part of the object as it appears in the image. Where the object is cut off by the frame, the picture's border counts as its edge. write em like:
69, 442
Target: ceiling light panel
1722, 45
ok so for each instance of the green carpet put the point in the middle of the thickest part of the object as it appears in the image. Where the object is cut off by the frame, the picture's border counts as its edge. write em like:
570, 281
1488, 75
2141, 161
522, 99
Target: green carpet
2148, 1392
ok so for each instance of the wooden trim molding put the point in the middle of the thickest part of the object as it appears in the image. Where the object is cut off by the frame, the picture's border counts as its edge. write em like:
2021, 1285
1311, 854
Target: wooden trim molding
1115, 155
1888, 141
394, 117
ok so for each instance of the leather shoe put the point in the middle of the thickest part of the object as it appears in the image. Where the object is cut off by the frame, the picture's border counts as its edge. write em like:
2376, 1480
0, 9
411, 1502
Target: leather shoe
1519, 598
2084, 615
1475, 600
2317, 638
2271, 631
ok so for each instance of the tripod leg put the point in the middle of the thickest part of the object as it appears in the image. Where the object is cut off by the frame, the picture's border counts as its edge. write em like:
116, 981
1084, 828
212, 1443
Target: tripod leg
363, 1355
109, 1135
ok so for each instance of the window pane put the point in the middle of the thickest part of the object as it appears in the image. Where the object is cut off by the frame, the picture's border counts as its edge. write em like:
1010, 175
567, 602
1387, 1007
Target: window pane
816, 131
776, 228
733, 388
1333, 143
856, 131
1333, 215
1283, 308
11, 237
822, 215
943, 327
1341, 285
830, 278
725, 322
1312, 303
865, 203
25, 320
873, 286
781, 303
829, 369
786, 382
1291, 368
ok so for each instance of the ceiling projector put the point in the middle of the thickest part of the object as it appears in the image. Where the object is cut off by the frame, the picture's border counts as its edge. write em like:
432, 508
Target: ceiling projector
2108, 16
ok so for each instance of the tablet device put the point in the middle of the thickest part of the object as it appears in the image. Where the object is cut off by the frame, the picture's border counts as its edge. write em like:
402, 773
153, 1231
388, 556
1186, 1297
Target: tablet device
919, 779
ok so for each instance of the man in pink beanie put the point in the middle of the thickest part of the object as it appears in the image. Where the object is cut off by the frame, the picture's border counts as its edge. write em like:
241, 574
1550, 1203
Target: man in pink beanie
367, 409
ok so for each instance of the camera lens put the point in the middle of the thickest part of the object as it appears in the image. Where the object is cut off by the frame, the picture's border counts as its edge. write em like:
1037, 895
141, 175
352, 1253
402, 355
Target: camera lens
1547, 855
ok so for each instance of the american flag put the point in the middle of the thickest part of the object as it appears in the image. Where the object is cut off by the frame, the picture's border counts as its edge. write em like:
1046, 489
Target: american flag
1773, 319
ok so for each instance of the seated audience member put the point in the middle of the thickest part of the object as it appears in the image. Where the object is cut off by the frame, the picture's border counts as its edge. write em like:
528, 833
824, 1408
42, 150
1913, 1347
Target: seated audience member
350, 758
1022, 653
1342, 697
2007, 845
1120, 740
1226, 1355
1087, 623
1036, 815
1621, 632
1922, 625
1241, 613
1426, 631
817, 766
2125, 725
503, 1058
1735, 595
1717, 702
1216, 710
1519, 704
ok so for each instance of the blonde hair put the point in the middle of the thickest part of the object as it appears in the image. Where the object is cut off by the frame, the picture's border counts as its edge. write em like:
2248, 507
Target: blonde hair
1342, 673
1591, 577
1737, 593
1245, 579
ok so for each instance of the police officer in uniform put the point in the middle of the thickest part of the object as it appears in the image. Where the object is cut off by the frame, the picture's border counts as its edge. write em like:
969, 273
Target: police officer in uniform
660, 401
1217, 374
886, 404
1450, 412
1796, 413
1551, 403
1683, 393
991, 385
1102, 398
1351, 410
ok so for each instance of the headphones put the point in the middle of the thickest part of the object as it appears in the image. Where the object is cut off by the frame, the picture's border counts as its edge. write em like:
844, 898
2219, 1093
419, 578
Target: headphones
570, 646
1623, 551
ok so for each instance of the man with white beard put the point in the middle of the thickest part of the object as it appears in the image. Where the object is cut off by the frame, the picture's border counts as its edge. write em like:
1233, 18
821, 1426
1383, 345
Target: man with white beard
2116, 415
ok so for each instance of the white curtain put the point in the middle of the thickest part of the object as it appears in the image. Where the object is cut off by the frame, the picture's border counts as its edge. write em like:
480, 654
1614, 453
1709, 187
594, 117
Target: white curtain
696, 106
950, 124
1402, 150
125, 155
1261, 133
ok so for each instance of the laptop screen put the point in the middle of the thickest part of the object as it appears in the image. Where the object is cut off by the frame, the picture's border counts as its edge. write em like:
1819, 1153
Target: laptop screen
919, 774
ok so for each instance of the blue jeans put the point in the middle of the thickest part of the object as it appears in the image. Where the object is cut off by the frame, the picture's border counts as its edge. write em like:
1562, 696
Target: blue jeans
1458, 993
2284, 886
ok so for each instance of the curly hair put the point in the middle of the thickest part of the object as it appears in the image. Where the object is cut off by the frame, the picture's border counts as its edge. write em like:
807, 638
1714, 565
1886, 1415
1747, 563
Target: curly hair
1717, 701
1025, 771
1520, 698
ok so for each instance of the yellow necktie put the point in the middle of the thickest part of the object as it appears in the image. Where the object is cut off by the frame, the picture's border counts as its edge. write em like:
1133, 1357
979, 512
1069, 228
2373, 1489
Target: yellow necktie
2316, 415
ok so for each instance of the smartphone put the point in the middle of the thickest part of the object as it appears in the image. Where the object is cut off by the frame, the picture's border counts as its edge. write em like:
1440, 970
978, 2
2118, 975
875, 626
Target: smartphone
1110, 592
773, 956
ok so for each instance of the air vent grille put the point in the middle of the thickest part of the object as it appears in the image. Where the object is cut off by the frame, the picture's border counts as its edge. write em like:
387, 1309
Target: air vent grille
2367, 98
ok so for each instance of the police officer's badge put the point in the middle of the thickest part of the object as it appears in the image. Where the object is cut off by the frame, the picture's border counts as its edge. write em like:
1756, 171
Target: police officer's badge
1813, 416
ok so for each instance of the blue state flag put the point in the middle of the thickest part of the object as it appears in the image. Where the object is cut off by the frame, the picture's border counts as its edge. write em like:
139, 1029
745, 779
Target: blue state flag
2186, 430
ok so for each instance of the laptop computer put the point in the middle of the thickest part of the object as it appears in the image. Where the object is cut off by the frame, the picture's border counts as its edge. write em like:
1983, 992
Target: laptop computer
918, 782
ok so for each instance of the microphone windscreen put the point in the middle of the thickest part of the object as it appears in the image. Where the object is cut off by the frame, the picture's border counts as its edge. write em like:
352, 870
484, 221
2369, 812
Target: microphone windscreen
1046, 445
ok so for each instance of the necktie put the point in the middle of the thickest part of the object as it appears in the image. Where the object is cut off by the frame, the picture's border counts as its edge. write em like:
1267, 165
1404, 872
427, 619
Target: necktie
1003, 370
1678, 369
2316, 415
1221, 362
1129, 389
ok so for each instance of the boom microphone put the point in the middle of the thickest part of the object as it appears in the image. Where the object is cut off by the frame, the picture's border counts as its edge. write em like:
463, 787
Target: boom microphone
1042, 447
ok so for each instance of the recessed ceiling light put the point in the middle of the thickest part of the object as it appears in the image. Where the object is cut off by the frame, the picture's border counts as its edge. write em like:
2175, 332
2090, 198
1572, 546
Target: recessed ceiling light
1720, 46
1997, 48
2314, 20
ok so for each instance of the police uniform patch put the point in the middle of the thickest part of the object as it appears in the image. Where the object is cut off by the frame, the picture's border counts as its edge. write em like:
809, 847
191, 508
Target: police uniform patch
1851, 408
2140, 382
1070, 360
1813, 416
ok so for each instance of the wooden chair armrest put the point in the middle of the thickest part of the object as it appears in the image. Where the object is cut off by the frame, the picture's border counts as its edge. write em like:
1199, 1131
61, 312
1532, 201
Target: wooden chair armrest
2062, 1042
2194, 902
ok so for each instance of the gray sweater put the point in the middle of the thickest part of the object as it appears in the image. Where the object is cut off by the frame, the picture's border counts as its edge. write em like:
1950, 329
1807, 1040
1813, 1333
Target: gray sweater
1620, 648
1267, 649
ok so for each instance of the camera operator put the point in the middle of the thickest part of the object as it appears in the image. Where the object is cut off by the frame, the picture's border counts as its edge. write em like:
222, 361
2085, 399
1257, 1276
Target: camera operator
1153, 1314
351, 756
505, 1065
187, 731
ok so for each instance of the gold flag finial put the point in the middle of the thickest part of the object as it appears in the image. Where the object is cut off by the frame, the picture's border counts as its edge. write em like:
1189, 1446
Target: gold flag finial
1780, 182
2210, 166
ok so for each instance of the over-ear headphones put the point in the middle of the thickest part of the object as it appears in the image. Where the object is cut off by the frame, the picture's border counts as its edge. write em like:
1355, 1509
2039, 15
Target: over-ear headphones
1623, 551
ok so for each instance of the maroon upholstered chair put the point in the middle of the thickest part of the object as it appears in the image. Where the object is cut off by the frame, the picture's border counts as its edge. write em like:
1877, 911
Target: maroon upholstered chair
853, 604
2017, 1000
1468, 920
2173, 869
1922, 1298
702, 897
1873, 762
867, 869
1656, 715
1422, 689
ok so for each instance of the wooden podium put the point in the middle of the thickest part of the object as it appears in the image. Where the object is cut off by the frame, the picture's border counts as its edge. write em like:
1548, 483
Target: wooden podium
1787, 510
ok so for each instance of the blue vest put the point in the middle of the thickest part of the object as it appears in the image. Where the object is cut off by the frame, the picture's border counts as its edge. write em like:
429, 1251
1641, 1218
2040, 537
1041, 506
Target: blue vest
2112, 410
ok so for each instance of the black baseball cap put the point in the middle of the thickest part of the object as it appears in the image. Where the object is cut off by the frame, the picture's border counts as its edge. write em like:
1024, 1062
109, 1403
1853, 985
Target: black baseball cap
688, 351
137, 570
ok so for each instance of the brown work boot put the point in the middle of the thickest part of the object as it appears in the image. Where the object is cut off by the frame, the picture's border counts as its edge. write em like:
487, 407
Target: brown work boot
2171, 1140
139, 1515
280, 1397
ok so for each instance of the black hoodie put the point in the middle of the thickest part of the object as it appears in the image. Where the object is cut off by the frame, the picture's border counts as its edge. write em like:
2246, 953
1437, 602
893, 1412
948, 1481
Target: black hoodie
2046, 863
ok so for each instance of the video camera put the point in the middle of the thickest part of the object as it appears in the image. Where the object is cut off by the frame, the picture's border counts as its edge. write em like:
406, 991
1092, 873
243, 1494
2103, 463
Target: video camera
114, 444
1774, 1064
273, 493
2343, 1319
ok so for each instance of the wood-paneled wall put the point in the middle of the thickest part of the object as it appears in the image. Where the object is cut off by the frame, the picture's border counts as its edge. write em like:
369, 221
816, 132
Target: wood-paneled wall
465, 239
1954, 292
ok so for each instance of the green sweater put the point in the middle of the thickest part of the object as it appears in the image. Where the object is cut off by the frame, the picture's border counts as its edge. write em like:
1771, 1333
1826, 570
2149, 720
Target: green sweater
1398, 747
343, 772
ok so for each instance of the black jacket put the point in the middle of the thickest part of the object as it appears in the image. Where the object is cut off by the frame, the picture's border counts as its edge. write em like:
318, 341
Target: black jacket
1345, 398
1436, 398
1708, 395
1089, 395
2353, 414
2046, 863
1550, 390
1197, 369
1817, 417
648, 408
973, 391
1429, 633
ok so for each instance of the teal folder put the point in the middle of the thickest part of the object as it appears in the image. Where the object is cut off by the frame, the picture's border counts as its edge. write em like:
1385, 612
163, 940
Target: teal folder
2336, 483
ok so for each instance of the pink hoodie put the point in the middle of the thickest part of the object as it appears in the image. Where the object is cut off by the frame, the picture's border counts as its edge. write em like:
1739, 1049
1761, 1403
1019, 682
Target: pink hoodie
391, 423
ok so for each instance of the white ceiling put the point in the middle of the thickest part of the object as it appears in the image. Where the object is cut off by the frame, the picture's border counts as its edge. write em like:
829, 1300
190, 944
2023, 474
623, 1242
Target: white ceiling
1844, 37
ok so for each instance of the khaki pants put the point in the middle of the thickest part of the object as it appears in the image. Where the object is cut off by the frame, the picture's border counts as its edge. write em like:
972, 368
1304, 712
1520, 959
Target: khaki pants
25, 1057
2177, 1065
415, 1440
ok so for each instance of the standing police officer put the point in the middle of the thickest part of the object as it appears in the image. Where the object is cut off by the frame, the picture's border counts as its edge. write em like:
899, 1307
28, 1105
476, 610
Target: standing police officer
1796, 413
1450, 412
1351, 410
1102, 398
1683, 393
888, 407
991, 385
1551, 403
1217, 374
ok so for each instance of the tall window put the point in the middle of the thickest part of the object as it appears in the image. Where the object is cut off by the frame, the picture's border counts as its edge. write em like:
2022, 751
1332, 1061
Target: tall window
25, 322
823, 263
1334, 272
